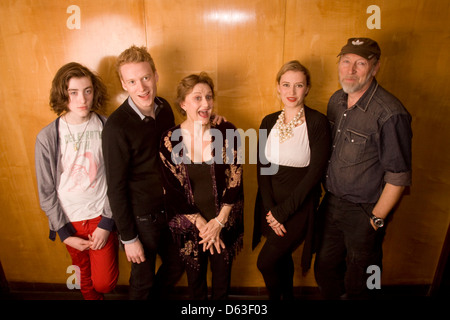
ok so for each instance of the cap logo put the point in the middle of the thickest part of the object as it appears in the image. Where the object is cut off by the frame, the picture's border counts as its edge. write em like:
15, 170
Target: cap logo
357, 42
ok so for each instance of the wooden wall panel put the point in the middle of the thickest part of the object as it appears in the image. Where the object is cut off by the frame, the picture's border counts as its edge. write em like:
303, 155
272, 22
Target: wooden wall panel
414, 56
242, 45
35, 42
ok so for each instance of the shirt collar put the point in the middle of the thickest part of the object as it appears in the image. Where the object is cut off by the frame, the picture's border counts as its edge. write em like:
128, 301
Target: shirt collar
364, 101
136, 109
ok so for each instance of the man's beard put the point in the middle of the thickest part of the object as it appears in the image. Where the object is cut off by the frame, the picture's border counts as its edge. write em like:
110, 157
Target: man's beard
355, 87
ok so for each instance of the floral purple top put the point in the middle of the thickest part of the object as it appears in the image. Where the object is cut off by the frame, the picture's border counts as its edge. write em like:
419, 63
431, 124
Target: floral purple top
226, 174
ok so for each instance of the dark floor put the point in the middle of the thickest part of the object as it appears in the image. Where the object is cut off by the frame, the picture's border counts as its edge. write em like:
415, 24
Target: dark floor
41, 291
31, 300
29, 291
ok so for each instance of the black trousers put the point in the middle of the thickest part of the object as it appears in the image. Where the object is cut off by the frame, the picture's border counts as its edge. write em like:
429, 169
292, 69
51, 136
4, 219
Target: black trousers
348, 246
220, 272
156, 238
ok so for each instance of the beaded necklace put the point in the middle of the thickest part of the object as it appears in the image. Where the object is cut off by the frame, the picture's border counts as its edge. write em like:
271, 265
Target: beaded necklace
286, 130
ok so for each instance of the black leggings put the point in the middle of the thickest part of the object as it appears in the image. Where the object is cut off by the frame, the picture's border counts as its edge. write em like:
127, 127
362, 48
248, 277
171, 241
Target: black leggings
275, 259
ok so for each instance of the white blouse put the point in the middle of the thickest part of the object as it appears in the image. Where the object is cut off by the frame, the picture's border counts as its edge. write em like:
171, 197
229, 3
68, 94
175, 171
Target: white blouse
294, 152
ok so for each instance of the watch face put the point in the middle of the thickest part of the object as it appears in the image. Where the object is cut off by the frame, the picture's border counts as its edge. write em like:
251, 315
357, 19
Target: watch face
378, 222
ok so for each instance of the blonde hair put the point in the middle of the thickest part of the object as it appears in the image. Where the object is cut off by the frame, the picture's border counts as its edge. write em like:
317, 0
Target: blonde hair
294, 65
134, 54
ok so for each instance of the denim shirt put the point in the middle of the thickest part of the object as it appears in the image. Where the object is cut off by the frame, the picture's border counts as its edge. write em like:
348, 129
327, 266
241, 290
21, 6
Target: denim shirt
371, 145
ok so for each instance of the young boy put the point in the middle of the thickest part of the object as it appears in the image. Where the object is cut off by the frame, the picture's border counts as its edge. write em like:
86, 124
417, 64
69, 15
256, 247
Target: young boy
71, 178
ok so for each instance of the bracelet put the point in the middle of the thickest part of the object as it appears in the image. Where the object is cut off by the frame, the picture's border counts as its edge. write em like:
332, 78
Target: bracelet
220, 223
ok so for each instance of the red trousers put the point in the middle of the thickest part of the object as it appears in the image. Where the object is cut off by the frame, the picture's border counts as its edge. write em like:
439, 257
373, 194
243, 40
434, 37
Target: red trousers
99, 269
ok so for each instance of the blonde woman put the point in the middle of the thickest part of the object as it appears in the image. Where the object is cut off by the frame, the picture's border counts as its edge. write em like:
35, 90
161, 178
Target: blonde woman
298, 142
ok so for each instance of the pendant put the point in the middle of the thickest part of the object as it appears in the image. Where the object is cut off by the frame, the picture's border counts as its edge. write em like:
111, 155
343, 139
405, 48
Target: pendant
76, 146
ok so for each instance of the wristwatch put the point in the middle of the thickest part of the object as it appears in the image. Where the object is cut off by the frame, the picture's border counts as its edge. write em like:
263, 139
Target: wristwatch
379, 222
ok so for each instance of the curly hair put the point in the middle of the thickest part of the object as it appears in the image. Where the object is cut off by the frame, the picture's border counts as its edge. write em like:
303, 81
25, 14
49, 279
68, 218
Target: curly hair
186, 86
59, 95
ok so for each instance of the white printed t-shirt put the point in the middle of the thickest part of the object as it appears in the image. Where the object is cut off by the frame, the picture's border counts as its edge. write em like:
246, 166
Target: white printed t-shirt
82, 189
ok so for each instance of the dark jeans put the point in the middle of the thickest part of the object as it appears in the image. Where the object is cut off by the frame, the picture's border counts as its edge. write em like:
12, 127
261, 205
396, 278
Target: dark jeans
348, 246
221, 276
156, 238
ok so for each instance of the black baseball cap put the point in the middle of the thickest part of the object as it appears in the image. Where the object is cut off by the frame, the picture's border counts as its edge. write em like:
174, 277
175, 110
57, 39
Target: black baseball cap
364, 47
